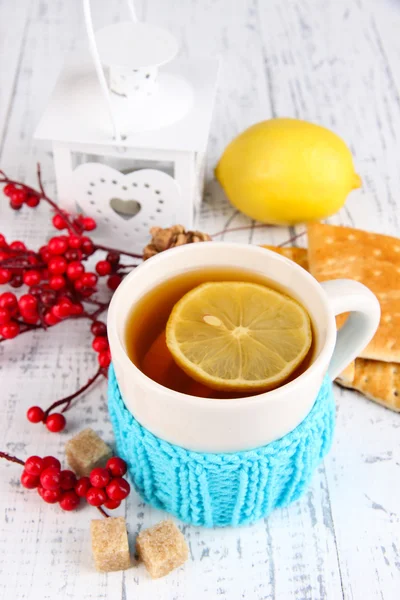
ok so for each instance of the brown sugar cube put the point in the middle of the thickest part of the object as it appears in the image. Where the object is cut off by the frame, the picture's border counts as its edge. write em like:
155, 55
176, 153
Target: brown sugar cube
162, 548
110, 544
85, 451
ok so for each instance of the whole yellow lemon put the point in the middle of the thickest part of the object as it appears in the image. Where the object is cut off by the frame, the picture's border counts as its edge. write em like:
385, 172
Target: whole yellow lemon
287, 171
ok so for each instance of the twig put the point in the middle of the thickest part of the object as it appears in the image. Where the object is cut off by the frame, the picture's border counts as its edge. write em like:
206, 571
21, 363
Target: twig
13, 459
107, 249
68, 399
102, 511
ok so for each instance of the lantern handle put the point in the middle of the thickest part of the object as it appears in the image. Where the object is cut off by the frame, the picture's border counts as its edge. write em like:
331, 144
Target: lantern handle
98, 66
132, 10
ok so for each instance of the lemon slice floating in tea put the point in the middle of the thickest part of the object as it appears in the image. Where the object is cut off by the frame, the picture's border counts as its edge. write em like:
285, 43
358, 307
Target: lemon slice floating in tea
236, 336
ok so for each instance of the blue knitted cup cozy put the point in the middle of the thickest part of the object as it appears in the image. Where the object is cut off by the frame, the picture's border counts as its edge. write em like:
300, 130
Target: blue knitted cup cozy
222, 489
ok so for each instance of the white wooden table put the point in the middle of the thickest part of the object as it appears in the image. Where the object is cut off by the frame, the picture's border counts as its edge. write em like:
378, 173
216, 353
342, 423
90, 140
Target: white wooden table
336, 62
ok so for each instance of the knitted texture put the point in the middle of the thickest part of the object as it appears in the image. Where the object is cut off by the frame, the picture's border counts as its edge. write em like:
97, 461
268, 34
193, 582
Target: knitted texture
222, 489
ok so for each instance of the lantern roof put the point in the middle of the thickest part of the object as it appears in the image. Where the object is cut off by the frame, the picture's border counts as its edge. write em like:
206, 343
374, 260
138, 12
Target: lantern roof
178, 117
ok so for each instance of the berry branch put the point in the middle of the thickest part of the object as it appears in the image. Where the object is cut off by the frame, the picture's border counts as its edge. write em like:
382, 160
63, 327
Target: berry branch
104, 486
59, 287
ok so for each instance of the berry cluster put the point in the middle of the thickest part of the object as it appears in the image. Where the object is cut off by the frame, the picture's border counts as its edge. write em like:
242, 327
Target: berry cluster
55, 422
59, 286
104, 487
58, 282
20, 195
52, 483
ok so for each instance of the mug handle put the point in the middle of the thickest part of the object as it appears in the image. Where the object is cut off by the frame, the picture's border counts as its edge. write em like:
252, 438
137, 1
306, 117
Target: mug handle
345, 295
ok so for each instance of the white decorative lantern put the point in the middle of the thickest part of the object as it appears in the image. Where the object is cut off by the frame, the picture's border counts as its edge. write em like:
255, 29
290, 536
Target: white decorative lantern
115, 111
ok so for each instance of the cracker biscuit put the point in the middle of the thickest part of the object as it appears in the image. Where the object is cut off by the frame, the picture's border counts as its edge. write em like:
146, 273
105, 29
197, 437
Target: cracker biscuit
378, 380
374, 260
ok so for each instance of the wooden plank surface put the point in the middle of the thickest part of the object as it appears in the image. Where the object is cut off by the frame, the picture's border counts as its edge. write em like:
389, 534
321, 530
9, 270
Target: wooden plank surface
335, 62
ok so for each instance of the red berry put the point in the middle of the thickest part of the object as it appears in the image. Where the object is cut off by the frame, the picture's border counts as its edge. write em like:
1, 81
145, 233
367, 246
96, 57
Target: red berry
10, 330
78, 223
72, 255
31, 319
31, 277
50, 478
69, 500
51, 461
45, 254
57, 265
77, 309
27, 304
34, 465
98, 328
99, 477
49, 496
15, 204
117, 466
17, 198
35, 414
99, 344
114, 281
111, 504
82, 486
59, 222
55, 310
8, 300
89, 279
50, 319
88, 223
18, 246
36, 291
29, 481
16, 281
63, 309
48, 297
5, 276
113, 258
78, 285
75, 270
57, 282
55, 422
104, 359
33, 260
118, 489
74, 241
87, 246
9, 189
103, 267
5, 316
96, 496
57, 245
32, 200
68, 480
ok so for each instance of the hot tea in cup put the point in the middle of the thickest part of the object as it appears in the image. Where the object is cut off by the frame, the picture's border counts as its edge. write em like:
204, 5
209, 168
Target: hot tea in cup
220, 333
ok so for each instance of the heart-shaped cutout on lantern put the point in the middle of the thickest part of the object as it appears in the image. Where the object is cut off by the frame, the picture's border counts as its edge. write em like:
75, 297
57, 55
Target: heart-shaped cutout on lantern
126, 206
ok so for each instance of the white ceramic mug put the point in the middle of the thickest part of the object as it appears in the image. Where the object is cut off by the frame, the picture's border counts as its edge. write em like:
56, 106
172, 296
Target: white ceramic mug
209, 425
